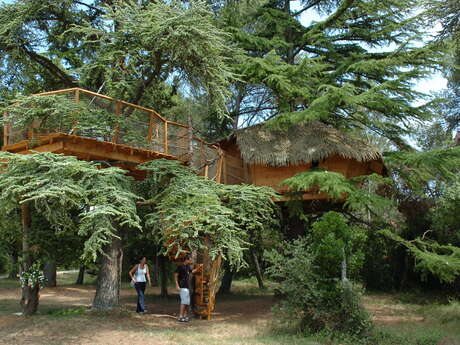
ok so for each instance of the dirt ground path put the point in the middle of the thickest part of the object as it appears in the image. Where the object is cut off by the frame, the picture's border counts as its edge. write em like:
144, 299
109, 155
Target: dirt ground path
55, 323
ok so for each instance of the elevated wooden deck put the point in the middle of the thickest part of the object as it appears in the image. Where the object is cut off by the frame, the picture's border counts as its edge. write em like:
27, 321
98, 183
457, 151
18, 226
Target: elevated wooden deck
137, 135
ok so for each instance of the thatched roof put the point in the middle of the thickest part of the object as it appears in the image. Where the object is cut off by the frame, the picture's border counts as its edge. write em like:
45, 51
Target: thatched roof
301, 143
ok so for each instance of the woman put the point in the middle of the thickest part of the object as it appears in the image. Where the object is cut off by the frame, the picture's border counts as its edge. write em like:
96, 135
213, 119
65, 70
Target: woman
138, 275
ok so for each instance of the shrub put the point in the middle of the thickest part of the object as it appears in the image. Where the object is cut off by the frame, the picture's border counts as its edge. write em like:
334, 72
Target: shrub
315, 302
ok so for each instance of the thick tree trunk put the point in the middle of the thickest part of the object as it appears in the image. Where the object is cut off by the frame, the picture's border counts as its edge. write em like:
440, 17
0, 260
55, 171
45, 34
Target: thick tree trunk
81, 276
108, 280
30, 295
227, 279
258, 271
163, 277
49, 271
13, 274
30, 300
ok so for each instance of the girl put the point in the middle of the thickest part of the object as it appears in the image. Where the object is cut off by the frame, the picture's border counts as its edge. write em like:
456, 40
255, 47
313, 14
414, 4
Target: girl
140, 272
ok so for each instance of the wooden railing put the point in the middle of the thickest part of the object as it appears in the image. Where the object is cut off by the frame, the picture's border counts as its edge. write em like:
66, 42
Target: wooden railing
135, 126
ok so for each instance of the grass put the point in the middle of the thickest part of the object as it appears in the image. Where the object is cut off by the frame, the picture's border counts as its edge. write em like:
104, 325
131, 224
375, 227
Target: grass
244, 317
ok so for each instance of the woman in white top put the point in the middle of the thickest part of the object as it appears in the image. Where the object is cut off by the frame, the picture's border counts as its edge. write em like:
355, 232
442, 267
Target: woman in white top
139, 276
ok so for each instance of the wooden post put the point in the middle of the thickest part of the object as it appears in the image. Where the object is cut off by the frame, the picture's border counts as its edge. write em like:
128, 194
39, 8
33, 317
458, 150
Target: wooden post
206, 171
116, 131
75, 123
165, 139
150, 132
77, 96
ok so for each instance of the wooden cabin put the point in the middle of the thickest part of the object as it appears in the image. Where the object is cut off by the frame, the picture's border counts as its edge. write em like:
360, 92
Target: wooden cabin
265, 157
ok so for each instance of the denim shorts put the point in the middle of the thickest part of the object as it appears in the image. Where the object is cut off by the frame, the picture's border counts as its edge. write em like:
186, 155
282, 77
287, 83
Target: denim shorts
184, 296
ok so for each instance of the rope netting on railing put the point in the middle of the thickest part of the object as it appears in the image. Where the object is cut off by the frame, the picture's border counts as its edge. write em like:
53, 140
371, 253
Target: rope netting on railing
107, 119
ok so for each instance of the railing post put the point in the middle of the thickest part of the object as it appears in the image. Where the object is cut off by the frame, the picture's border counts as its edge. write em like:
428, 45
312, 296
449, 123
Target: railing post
165, 139
116, 131
150, 132
75, 123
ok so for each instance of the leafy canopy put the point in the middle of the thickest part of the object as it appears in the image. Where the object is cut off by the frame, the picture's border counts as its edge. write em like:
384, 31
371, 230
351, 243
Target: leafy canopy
57, 186
191, 212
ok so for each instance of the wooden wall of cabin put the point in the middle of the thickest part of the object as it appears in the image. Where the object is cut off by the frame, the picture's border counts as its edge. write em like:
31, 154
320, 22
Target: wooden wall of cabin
234, 170
263, 175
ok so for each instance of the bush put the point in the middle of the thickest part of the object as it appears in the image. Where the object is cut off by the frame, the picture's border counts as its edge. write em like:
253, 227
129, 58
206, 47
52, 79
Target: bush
317, 303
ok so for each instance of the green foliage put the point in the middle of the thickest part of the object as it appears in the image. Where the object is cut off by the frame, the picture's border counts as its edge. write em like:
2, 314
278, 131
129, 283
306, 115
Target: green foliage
417, 169
58, 186
32, 277
332, 238
443, 261
446, 215
353, 67
309, 298
58, 114
358, 193
191, 212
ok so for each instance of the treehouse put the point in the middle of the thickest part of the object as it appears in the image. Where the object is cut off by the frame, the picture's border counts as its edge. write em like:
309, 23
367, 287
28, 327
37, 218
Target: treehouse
99, 128
96, 127
265, 157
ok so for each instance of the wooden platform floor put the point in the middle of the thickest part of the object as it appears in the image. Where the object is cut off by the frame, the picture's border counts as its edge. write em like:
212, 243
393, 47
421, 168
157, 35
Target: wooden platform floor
123, 156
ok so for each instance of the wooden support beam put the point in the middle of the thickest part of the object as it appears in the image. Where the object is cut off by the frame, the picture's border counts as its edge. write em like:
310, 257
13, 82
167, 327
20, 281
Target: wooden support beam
53, 147
165, 139
150, 131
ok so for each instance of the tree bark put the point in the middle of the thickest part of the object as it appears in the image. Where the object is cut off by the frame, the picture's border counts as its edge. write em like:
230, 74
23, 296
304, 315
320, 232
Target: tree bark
227, 279
344, 266
13, 274
49, 271
163, 277
108, 280
258, 271
81, 275
156, 268
30, 295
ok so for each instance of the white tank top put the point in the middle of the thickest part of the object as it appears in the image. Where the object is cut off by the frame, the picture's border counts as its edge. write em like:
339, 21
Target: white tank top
140, 274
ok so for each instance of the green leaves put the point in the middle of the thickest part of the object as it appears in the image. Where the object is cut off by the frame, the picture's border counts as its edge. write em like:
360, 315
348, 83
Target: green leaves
193, 213
60, 186
443, 261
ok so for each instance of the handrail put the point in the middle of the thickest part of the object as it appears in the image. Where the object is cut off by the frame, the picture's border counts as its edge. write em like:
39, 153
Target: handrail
158, 132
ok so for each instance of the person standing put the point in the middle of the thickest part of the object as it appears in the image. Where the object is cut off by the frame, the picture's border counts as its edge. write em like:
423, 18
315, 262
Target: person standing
139, 276
182, 277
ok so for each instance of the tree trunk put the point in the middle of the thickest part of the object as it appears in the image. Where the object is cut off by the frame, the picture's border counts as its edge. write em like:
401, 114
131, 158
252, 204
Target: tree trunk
163, 277
30, 299
258, 271
13, 274
156, 268
227, 279
81, 275
108, 280
49, 271
30, 295
344, 266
